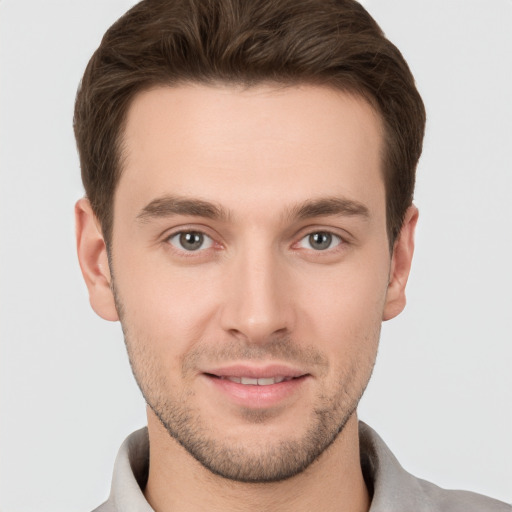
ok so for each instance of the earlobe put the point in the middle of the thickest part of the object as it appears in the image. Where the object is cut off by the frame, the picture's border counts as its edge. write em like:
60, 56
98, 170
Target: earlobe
401, 260
92, 255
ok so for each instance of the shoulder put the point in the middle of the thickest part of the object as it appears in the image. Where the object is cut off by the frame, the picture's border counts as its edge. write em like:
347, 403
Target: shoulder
105, 507
396, 490
459, 501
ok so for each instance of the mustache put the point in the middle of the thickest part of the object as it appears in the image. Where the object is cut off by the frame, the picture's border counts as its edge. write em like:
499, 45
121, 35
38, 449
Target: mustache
282, 348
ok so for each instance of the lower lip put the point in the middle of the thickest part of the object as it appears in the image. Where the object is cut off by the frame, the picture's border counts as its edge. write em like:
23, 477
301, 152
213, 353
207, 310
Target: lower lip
257, 397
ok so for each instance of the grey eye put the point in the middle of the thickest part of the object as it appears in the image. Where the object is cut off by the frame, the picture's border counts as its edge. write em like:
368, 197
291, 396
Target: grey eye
190, 241
320, 241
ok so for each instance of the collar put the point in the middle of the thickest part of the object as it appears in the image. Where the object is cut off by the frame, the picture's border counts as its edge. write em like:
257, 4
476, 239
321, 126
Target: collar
391, 487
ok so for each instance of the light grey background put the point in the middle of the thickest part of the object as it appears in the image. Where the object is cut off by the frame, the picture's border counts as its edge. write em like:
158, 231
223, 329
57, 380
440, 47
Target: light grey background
441, 394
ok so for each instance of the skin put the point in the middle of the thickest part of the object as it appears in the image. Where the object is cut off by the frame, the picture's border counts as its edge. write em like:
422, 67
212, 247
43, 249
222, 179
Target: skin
257, 172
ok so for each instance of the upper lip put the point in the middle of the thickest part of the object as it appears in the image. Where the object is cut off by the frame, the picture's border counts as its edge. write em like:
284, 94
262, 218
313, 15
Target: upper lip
257, 372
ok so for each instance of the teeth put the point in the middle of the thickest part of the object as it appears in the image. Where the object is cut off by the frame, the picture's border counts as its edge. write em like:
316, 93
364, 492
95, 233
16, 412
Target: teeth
257, 382
266, 382
249, 380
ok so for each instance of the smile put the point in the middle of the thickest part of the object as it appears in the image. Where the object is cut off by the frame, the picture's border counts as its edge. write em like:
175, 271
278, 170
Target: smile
251, 381
257, 387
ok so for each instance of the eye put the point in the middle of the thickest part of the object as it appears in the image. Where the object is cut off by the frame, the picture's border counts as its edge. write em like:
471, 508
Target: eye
320, 241
190, 241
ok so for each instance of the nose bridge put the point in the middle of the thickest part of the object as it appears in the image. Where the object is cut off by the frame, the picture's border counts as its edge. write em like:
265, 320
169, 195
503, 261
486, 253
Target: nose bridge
257, 304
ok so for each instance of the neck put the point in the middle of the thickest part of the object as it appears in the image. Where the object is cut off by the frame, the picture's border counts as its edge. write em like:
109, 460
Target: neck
177, 482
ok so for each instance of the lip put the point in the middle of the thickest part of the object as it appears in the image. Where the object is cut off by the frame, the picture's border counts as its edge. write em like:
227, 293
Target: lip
256, 396
257, 372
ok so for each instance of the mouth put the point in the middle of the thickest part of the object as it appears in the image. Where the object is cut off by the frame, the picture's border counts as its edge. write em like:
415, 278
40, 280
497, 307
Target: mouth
256, 375
254, 381
257, 387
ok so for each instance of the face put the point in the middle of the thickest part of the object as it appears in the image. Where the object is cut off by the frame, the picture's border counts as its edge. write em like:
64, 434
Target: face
251, 268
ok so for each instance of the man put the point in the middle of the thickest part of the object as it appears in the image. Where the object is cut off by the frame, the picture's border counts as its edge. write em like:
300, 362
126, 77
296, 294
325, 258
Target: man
249, 170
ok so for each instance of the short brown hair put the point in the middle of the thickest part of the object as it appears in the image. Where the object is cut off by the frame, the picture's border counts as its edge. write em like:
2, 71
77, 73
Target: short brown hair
166, 42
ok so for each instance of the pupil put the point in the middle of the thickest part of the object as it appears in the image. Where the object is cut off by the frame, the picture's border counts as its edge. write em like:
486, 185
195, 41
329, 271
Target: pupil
320, 241
191, 240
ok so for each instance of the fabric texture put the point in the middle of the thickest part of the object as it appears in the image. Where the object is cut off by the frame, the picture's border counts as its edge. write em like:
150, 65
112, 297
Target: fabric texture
393, 489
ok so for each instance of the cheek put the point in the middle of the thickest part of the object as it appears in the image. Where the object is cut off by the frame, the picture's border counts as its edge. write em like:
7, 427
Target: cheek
344, 301
169, 308
344, 307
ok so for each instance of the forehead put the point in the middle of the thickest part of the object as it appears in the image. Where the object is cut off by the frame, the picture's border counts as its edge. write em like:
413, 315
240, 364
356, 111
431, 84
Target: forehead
265, 146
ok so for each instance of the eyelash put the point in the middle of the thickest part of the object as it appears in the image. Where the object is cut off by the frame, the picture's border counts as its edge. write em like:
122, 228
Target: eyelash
332, 238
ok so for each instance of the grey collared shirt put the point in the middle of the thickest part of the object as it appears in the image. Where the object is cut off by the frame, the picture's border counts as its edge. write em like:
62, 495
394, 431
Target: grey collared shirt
391, 487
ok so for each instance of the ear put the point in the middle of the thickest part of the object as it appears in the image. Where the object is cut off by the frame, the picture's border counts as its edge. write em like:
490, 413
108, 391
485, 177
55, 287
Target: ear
92, 255
401, 265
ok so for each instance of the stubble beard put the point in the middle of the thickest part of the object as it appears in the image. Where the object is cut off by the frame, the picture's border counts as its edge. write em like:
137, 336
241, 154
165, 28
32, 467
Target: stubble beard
273, 463
236, 461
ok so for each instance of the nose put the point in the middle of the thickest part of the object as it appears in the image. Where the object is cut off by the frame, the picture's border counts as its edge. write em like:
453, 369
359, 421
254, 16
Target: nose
258, 297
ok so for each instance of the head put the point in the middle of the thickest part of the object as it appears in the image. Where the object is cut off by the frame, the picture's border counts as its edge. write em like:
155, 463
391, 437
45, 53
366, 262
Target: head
249, 170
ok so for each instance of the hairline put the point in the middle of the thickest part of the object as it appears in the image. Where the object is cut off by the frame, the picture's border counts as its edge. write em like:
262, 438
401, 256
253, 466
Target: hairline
353, 90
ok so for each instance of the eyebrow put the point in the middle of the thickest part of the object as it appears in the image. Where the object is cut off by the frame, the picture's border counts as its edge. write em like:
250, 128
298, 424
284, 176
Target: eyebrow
168, 206
335, 206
